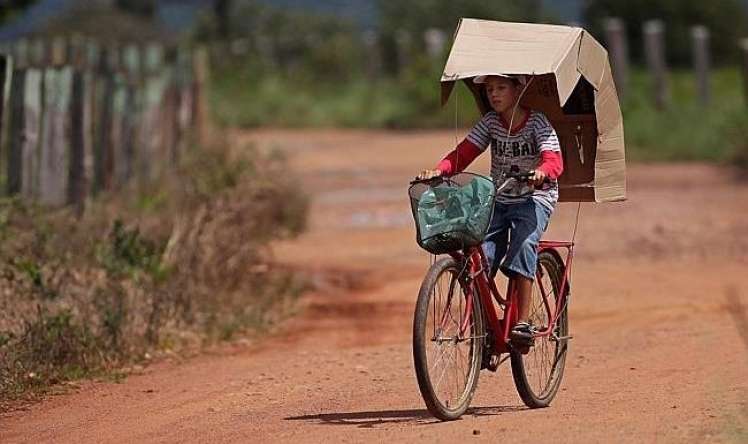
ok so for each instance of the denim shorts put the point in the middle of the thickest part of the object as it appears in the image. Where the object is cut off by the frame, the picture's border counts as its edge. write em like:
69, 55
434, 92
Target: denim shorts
513, 236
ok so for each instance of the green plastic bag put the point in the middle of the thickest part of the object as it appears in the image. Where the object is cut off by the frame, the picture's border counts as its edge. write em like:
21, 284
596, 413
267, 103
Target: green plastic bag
452, 216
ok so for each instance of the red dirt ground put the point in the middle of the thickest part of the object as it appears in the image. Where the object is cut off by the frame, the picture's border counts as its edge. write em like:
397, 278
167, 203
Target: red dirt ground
659, 315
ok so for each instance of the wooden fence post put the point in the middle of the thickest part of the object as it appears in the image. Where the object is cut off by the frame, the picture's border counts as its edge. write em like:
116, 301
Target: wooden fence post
131, 61
102, 155
435, 40
76, 181
20, 53
153, 94
5, 65
200, 106
16, 132
131, 113
93, 54
700, 39
80, 123
744, 63
121, 158
38, 53
373, 54
76, 52
58, 51
615, 36
171, 106
55, 146
33, 115
654, 47
184, 85
404, 43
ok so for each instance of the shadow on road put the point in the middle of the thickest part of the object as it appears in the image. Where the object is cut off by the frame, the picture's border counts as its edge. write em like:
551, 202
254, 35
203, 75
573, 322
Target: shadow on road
383, 417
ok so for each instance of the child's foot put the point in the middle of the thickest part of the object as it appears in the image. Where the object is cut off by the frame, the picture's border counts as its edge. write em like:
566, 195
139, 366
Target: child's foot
522, 333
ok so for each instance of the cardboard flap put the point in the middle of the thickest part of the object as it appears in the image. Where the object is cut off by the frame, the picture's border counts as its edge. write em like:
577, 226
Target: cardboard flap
557, 57
592, 60
488, 47
567, 71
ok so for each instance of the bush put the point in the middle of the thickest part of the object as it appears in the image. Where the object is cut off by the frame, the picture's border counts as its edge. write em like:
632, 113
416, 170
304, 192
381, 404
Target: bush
686, 130
173, 264
52, 348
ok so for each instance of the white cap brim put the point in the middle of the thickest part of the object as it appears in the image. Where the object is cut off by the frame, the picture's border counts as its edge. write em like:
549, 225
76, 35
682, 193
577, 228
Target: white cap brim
482, 79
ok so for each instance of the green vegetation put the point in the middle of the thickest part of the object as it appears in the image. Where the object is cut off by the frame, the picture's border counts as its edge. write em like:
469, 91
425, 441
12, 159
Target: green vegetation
685, 130
10, 8
726, 20
238, 98
173, 265
331, 78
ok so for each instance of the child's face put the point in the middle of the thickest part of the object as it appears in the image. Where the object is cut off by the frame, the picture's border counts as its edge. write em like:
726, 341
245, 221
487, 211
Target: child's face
502, 93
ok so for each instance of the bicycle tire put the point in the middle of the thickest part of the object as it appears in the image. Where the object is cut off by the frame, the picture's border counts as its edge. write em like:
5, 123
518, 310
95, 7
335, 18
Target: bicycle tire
534, 397
445, 411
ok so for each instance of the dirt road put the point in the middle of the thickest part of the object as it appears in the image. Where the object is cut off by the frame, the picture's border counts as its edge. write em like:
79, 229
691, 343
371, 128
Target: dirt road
659, 315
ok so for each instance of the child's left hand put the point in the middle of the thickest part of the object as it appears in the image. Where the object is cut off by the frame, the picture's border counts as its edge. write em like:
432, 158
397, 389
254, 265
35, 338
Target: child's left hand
539, 177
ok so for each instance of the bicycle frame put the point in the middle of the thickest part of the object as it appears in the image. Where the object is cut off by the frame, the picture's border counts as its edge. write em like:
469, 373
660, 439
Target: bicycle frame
479, 280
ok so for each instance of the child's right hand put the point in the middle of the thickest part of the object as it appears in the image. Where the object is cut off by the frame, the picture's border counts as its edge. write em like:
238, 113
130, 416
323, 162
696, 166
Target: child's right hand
429, 174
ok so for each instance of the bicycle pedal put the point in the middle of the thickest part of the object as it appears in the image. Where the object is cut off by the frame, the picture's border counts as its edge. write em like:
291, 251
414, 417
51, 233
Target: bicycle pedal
493, 363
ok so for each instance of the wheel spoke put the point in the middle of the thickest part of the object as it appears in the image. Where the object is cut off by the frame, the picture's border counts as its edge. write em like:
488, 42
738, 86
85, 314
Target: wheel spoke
450, 362
543, 363
441, 376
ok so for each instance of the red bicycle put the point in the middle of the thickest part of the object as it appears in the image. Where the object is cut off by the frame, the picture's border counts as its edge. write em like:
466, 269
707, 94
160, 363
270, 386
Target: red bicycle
462, 325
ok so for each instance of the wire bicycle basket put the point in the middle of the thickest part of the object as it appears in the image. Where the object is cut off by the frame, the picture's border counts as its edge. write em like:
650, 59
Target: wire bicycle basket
452, 213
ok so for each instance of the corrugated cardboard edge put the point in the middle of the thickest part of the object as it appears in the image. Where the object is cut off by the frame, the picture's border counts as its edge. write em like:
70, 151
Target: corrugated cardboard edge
610, 159
566, 69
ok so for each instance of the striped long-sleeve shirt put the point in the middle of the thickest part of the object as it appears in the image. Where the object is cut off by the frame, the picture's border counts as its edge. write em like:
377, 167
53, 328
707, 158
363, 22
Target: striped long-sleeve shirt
531, 143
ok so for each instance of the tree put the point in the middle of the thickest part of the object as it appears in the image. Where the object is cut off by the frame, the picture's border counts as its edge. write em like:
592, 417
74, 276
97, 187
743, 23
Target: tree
11, 7
222, 9
408, 20
726, 20
139, 7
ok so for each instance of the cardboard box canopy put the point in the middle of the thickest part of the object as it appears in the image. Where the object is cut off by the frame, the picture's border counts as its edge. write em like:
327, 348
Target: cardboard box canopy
572, 85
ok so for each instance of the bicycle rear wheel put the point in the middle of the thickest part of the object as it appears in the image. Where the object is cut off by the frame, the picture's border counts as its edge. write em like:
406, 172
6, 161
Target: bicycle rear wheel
537, 374
447, 357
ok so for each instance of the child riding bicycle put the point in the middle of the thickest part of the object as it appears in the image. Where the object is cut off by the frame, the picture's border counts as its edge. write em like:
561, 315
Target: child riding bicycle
521, 139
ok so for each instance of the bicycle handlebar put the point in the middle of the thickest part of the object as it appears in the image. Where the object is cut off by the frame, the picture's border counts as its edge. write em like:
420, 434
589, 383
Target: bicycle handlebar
523, 176
429, 180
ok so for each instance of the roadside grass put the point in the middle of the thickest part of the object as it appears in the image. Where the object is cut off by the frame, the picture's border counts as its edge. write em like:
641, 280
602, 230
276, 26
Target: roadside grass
686, 130
171, 266
243, 96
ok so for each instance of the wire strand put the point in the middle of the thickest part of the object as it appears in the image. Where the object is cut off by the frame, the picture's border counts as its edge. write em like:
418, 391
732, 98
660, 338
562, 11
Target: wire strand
511, 123
456, 97
576, 222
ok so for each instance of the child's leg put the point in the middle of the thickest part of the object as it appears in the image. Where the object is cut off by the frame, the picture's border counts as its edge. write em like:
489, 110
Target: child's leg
524, 290
495, 243
527, 221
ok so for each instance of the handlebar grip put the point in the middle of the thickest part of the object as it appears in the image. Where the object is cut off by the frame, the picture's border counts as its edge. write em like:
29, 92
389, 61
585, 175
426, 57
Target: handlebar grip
525, 176
431, 179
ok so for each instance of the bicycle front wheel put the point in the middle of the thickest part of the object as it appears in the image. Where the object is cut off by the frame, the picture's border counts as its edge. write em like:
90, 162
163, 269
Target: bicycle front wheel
537, 373
447, 341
